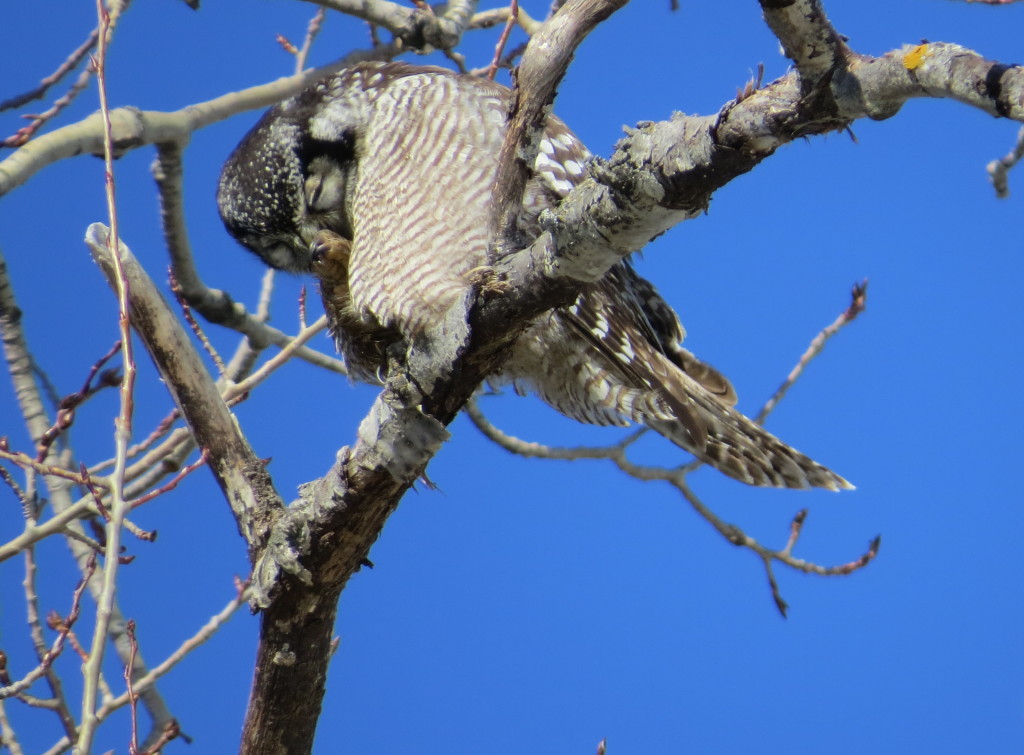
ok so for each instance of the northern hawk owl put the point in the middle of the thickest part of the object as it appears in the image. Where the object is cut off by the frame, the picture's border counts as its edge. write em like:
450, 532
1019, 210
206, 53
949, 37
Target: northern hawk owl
379, 178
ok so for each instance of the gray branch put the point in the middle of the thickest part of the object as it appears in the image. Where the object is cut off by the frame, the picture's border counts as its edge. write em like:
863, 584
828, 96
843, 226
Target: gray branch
420, 29
239, 472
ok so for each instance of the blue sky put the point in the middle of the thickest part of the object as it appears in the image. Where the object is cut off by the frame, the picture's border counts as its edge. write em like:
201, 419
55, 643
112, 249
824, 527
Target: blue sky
538, 607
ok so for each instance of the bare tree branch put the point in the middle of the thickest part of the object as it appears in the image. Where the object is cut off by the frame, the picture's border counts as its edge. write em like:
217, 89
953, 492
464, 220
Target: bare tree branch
132, 128
617, 454
999, 170
544, 65
416, 28
66, 516
239, 472
807, 38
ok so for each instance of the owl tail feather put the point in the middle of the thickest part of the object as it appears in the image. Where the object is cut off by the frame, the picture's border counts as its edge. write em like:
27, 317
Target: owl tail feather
734, 443
745, 451
690, 404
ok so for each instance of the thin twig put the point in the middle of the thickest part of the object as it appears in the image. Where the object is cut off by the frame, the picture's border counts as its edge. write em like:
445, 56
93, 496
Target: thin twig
25, 133
67, 406
62, 70
161, 429
617, 454
999, 170
237, 391
795, 528
63, 635
7, 735
780, 604
513, 16
186, 311
60, 705
858, 301
133, 699
315, 24
146, 681
171, 484
123, 424
25, 461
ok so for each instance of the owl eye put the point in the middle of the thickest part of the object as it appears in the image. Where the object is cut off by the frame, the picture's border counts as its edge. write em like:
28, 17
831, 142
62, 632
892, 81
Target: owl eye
325, 185
314, 192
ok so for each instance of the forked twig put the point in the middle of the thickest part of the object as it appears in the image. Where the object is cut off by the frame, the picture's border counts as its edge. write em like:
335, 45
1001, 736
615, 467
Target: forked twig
63, 632
617, 454
62, 70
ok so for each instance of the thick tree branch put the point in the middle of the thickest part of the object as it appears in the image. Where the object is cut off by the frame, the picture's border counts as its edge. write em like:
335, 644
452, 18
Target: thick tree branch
239, 472
807, 38
544, 65
662, 173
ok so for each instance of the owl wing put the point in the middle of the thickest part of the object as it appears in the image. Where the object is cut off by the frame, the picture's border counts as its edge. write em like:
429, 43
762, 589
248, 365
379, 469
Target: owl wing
425, 167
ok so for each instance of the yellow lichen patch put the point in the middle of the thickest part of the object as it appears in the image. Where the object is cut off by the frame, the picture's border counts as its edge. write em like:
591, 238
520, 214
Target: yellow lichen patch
915, 57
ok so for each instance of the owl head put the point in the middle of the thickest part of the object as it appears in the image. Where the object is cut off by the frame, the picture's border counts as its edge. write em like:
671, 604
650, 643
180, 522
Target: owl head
282, 185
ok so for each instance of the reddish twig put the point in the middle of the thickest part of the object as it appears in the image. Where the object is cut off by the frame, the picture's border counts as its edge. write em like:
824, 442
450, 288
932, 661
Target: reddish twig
163, 427
25, 461
133, 699
169, 485
513, 16
57, 700
860, 563
858, 301
62, 70
25, 133
172, 730
67, 406
315, 25
97, 499
287, 46
64, 634
194, 325
795, 527
57, 623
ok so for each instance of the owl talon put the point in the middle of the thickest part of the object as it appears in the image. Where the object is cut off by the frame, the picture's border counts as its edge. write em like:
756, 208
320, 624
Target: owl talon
329, 254
487, 282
